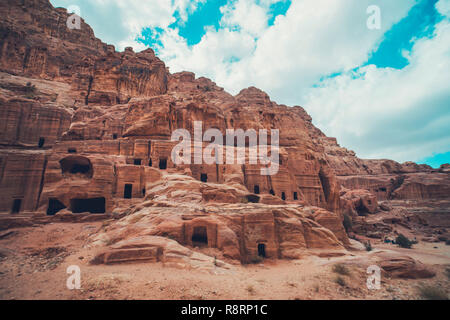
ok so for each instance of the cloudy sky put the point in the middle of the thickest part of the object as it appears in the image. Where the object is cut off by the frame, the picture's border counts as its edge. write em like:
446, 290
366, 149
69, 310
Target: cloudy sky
384, 93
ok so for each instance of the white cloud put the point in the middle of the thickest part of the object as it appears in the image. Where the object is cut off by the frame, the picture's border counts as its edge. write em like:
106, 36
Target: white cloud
314, 39
248, 16
119, 22
383, 112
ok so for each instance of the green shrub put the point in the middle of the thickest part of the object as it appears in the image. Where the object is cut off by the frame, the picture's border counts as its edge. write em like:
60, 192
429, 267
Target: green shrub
403, 241
429, 292
341, 269
250, 289
340, 281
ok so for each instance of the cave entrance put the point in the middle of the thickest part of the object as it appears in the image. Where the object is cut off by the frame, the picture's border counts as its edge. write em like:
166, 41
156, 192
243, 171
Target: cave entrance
41, 142
283, 196
54, 206
204, 177
361, 209
128, 191
163, 164
137, 162
150, 162
93, 205
77, 165
272, 192
261, 250
200, 236
17, 203
256, 189
252, 198
295, 196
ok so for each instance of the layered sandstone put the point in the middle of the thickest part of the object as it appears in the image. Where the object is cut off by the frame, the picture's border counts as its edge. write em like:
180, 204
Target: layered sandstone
87, 129
387, 179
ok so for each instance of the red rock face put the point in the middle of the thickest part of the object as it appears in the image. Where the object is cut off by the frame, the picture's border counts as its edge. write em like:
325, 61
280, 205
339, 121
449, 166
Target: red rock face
387, 179
36, 43
87, 129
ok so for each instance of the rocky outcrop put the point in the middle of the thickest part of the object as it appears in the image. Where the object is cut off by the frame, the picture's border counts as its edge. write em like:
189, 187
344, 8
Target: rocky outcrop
358, 202
332, 221
176, 208
36, 42
387, 179
157, 249
404, 267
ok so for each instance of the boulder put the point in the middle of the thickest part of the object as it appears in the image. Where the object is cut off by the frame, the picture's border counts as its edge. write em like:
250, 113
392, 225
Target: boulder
404, 267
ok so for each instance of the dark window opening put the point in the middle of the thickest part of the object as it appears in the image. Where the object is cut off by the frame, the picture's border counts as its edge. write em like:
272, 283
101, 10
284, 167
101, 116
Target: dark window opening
17, 203
200, 236
326, 184
114, 136
77, 165
137, 162
127, 191
252, 198
281, 161
80, 168
383, 189
262, 250
150, 163
295, 196
54, 206
163, 164
256, 190
41, 142
283, 195
93, 205
361, 209
72, 150
204, 177
143, 192
272, 192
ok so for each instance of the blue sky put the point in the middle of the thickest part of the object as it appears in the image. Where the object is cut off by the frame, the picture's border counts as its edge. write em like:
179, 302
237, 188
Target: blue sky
384, 93
418, 23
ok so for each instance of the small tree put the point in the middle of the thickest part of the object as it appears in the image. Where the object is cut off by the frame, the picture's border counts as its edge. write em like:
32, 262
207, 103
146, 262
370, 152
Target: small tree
403, 241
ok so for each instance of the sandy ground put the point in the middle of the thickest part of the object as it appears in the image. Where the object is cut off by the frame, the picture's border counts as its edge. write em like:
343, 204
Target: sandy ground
34, 262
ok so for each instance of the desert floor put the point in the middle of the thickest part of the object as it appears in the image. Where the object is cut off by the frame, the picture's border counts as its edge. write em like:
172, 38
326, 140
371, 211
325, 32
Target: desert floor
34, 261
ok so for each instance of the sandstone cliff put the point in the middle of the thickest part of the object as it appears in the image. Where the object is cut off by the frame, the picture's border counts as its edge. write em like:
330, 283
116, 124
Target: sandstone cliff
87, 129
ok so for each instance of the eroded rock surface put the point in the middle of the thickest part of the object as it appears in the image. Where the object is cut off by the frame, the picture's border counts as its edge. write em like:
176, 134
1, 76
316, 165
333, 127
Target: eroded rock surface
86, 130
